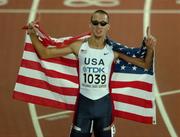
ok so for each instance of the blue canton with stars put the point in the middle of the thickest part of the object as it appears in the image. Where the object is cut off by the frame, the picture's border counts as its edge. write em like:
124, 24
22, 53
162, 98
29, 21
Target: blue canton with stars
122, 66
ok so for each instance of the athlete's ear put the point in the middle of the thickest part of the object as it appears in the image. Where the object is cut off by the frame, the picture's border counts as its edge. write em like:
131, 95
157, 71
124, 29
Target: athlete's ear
90, 25
109, 26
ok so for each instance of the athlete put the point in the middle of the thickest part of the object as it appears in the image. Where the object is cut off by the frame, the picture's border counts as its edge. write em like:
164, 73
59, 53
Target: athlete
94, 105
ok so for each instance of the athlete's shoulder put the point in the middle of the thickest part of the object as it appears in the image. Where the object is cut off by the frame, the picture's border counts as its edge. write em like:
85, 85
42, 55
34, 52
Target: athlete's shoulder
77, 42
76, 45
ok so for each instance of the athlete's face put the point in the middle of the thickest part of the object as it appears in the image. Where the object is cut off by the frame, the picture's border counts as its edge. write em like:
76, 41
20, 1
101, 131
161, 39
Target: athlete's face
99, 25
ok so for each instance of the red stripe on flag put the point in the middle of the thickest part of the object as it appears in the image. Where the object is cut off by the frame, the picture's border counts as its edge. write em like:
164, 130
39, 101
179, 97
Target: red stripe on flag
29, 47
132, 100
45, 85
134, 84
42, 101
63, 61
134, 117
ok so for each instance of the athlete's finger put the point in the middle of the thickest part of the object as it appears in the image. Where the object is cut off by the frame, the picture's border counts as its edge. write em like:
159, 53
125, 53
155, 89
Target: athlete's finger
148, 32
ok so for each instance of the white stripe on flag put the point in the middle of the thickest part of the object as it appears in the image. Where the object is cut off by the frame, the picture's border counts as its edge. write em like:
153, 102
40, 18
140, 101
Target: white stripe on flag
132, 77
30, 56
41, 76
70, 56
133, 109
27, 39
134, 93
43, 93
60, 39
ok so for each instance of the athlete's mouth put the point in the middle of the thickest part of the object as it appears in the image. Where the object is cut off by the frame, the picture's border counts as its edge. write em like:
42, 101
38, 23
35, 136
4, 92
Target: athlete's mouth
99, 31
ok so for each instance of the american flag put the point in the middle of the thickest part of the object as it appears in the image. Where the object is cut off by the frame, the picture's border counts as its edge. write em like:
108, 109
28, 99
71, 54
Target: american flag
54, 82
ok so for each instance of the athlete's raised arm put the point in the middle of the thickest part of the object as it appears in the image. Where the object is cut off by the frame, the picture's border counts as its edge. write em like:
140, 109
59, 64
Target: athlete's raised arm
146, 63
44, 52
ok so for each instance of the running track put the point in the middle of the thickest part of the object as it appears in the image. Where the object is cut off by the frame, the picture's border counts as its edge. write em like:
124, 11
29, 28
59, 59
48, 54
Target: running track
128, 20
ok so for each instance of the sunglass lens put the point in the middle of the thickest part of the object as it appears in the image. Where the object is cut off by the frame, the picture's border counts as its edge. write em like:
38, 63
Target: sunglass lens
95, 23
103, 23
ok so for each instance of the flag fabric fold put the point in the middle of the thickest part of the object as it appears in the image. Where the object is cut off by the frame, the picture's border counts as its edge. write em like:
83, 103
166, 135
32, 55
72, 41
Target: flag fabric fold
54, 82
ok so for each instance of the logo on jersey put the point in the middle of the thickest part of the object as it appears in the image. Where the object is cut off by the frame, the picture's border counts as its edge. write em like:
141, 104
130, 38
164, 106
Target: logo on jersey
93, 61
83, 51
106, 53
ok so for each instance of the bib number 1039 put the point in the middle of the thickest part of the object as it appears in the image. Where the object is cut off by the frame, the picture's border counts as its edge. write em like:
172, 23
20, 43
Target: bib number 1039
94, 78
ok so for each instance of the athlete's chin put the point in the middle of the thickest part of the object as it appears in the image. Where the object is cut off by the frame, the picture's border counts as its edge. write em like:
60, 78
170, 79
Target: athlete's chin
99, 35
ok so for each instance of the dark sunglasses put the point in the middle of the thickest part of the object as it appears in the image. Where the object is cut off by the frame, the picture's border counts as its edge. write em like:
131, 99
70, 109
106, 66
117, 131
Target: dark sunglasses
96, 23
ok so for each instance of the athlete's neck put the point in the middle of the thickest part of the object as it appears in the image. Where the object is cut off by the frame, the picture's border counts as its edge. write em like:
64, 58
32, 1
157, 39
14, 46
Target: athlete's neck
95, 42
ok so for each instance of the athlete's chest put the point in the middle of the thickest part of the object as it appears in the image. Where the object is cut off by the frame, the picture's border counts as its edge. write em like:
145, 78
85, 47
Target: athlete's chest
95, 57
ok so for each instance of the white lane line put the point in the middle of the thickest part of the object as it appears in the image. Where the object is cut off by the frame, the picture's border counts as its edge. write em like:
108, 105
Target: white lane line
3, 2
33, 10
146, 15
163, 112
58, 114
172, 132
32, 108
57, 118
170, 92
177, 1
60, 11
34, 117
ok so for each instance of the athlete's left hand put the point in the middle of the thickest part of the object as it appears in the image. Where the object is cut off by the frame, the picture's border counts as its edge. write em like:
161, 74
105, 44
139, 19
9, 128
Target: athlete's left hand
150, 40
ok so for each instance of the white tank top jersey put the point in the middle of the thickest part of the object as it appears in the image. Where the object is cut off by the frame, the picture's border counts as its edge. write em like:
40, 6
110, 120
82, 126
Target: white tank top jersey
94, 70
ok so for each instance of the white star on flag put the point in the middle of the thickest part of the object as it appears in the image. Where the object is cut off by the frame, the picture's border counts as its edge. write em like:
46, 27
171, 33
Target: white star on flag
134, 56
123, 67
120, 49
118, 61
134, 67
143, 53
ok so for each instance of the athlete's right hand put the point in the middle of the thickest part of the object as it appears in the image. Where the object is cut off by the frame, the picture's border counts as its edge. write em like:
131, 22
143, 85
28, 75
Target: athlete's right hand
31, 28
